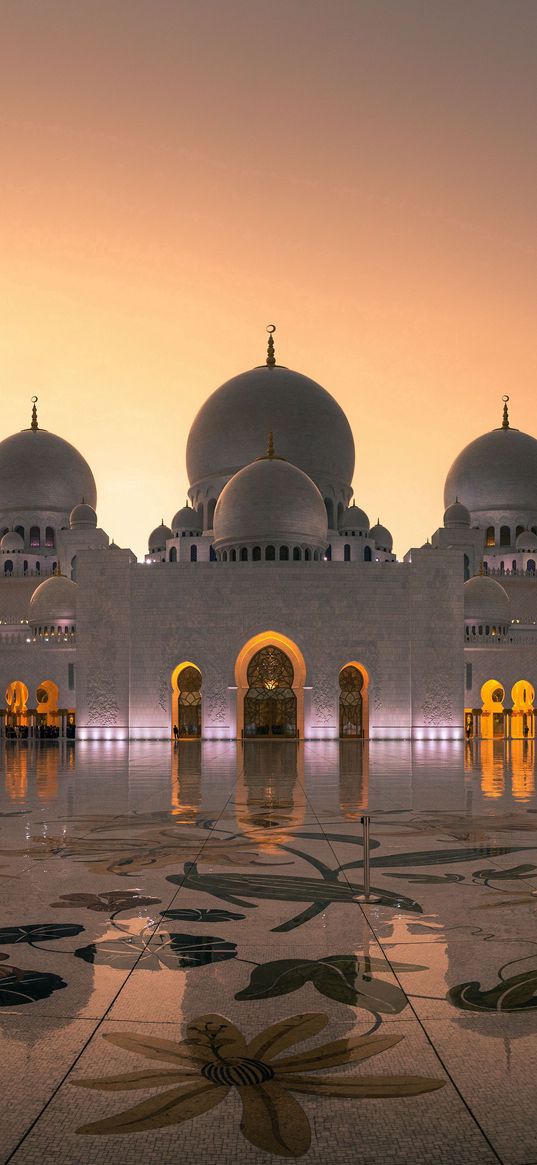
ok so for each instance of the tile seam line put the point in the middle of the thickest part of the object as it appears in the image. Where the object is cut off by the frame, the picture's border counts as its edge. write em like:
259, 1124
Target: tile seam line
99, 1023
436, 1053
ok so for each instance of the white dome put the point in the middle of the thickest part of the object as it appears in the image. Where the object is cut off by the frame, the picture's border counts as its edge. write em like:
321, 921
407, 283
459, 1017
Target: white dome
53, 601
83, 517
486, 600
527, 540
270, 501
186, 519
158, 538
457, 515
354, 519
39, 471
382, 537
311, 430
12, 541
497, 471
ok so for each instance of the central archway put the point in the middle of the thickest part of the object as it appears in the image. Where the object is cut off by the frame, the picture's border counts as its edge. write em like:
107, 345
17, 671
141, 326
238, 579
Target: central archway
353, 702
270, 673
186, 700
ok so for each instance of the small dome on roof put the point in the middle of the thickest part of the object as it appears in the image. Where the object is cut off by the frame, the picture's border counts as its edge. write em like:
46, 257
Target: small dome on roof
382, 537
83, 517
354, 519
486, 600
457, 515
53, 601
270, 501
12, 541
158, 538
187, 519
527, 540
114, 546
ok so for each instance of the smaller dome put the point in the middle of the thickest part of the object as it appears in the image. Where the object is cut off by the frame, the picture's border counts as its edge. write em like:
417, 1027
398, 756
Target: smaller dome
159, 537
527, 540
270, 501
12, 541
53, 601
355, 519
114, 546
382, 537
486, 600
457, 515
83, 517
186, 519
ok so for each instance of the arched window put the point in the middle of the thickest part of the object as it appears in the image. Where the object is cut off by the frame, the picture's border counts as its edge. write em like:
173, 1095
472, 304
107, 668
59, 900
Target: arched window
173, 554
297, 554
328, 553
73, 569
307, 554
346, 552
25, 567
212, 554
270, 703
530, 566
256, 554
8, 566
485, 568
270, 554
505, 536
20, 530
519, 530
490, 538
211, 506
329, 512
367, 554
233, 556
38, 568
49, 536
35, 536
351, 682
224, 556
502, 566
244, 554
284, 554
54, 567
513, 566
467, 567
194, 553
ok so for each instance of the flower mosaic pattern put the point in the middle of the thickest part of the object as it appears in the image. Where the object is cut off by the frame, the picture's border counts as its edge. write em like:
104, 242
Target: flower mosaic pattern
215, 1057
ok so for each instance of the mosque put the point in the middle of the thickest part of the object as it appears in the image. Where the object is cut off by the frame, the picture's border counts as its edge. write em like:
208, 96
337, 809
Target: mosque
270, 607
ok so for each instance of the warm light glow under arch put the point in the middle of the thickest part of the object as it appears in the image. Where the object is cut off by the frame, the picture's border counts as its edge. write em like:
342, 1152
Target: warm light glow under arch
492, 709
176, 688
364, 693
246, 654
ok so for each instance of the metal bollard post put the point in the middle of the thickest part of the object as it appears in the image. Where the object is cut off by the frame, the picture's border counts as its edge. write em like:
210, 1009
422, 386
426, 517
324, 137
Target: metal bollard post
366, 820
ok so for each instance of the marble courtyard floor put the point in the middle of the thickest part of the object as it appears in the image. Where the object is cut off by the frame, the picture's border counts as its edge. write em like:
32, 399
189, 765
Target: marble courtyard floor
186, 973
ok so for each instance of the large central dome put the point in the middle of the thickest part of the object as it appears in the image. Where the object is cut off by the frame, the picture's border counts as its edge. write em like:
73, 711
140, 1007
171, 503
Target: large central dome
39, 471
310, 429
497, 471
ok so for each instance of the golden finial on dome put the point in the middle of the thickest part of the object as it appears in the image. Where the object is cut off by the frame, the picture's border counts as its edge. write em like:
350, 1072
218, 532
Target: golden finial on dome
270, 447
271, 357
57, 569
34, 425
505, 422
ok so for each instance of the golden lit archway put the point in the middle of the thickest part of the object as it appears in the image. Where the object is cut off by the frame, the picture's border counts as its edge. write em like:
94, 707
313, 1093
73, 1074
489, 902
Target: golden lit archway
353, 701
522, 716
47, 696
16, 704
492, 710
186, 700
287, 684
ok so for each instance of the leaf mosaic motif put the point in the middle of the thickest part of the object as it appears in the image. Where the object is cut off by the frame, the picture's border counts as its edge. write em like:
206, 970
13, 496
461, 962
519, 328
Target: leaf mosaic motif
517, 993
37, 932
109, 901
342, 977
18, 987
201, 915
174, 951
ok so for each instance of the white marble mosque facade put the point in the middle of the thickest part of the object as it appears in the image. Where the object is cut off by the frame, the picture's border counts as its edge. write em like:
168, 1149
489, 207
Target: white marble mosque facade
269, 553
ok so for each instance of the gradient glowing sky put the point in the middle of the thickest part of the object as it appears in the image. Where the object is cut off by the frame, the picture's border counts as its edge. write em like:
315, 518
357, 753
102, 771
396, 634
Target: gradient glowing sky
176, 174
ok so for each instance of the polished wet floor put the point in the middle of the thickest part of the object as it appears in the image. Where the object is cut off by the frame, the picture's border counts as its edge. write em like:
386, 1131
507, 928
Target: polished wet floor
188, 968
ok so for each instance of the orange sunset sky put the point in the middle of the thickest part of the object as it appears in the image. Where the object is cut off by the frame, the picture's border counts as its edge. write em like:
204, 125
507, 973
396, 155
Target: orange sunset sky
176, 174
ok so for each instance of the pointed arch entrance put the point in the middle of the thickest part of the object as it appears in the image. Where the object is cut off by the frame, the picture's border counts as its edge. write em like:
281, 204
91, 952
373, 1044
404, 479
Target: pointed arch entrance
523, 715
270, 673
186, 700
353, 701
492, 711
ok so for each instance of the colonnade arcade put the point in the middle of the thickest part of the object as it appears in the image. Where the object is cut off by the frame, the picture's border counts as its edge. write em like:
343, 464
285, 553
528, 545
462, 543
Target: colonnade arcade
270, 678
493, 720
28, 715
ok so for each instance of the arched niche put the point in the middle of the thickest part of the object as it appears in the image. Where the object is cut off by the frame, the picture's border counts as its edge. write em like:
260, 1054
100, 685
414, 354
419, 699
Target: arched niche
244, 658
523, 716
353, 701
186, 683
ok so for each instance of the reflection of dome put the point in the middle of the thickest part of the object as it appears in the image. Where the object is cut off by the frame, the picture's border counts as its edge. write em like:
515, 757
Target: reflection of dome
496, 471
12, 541
270, 501
456, 515
83, 517
158, 538
39, 471
486, 600
309, 426
527, 540
354, 519
382, 538
53, 601
186, 521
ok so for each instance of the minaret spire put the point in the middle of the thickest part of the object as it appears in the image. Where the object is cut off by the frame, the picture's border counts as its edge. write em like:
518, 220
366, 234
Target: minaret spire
505, 421
271, 357
34, 425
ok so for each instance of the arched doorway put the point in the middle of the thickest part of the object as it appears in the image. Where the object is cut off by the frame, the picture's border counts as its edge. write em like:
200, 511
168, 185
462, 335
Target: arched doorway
47, 695
16, 708
270, 702
186, 700
274, 679
492, 711
352, 701
523, 716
